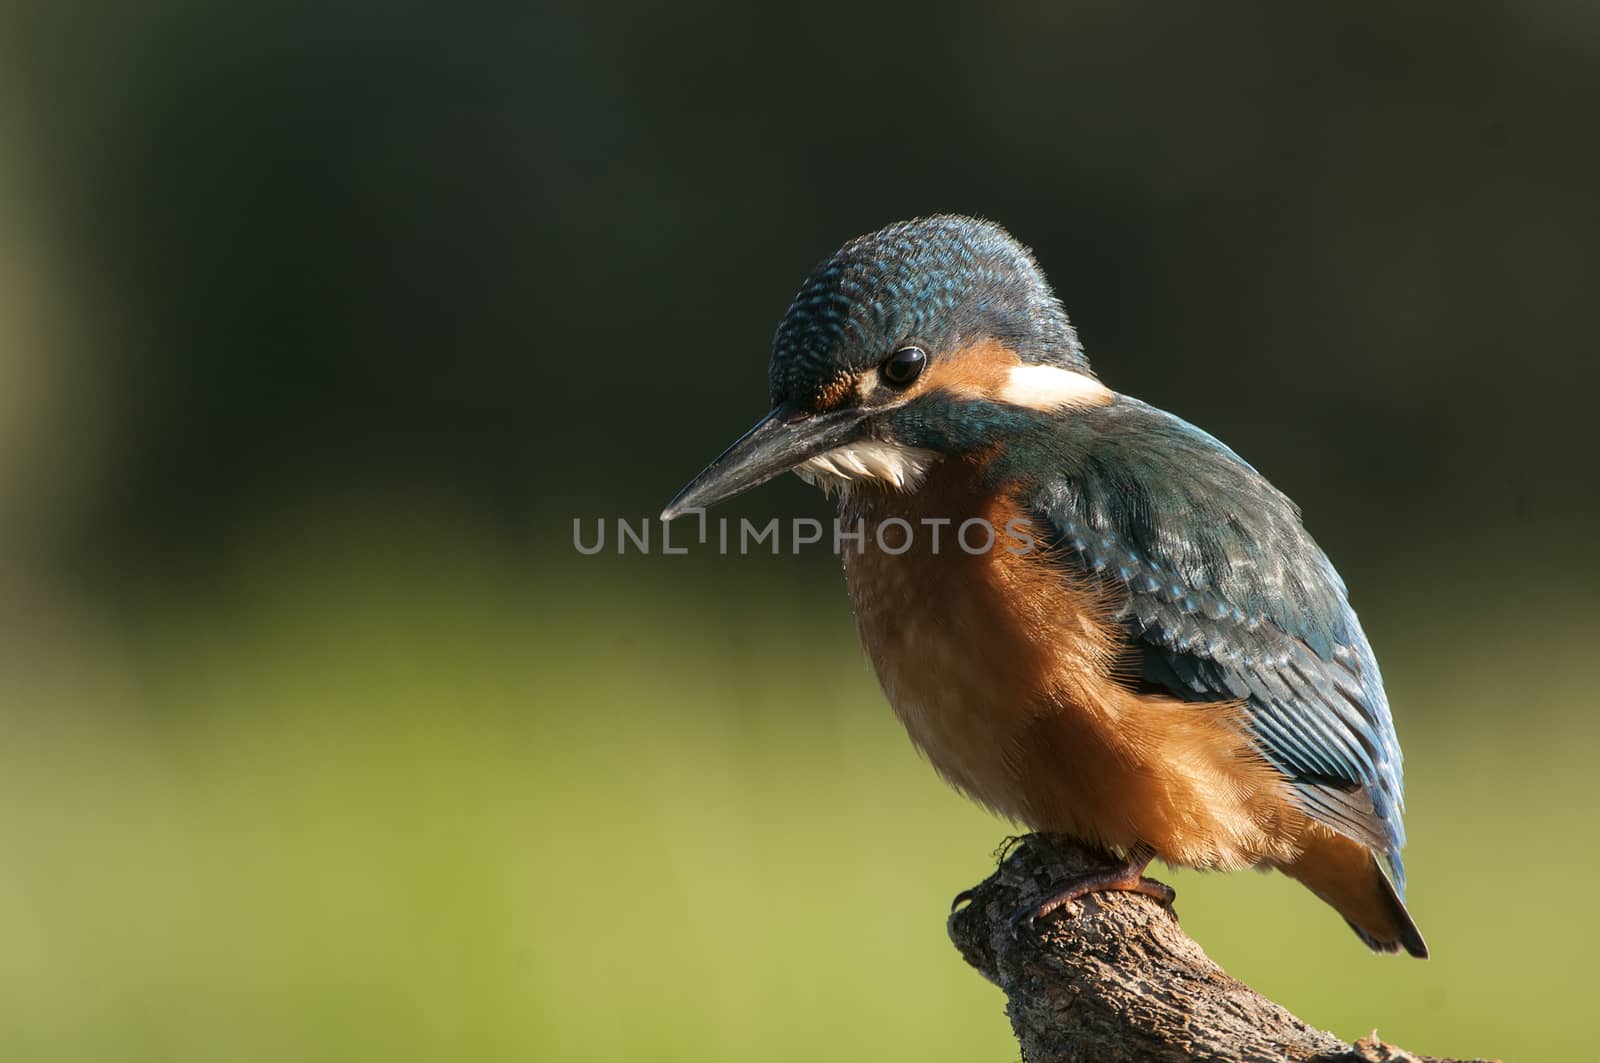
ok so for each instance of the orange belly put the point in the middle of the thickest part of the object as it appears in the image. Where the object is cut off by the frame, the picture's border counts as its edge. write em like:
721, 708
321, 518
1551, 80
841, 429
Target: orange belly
1000, 665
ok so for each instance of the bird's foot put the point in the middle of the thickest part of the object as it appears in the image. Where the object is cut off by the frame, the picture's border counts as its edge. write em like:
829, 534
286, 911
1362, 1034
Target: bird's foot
1126, 879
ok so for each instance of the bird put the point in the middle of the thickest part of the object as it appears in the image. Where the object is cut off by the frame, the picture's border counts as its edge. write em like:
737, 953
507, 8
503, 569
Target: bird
1152, 656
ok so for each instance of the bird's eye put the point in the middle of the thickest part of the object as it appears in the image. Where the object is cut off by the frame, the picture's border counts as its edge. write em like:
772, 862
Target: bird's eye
903, 366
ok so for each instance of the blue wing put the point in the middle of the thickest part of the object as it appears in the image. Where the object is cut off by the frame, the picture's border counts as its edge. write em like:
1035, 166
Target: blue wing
1225, 596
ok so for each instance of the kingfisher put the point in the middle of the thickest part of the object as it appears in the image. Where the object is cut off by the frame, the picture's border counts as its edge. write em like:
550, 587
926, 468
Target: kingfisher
1146, 651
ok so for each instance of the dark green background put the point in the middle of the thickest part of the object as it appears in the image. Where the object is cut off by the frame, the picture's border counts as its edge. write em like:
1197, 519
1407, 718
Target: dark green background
319, 323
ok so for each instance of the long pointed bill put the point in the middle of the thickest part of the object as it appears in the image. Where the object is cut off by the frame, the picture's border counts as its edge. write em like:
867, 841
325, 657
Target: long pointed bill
780, 441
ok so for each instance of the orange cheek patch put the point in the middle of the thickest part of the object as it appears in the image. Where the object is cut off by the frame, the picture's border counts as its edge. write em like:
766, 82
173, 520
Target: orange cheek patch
977, 372
992, 371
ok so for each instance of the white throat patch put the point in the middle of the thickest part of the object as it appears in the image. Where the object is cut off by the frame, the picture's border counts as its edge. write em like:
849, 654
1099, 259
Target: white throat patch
903, 468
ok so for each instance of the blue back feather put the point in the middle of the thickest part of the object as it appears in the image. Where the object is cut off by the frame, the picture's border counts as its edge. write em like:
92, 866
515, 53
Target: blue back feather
1225, 596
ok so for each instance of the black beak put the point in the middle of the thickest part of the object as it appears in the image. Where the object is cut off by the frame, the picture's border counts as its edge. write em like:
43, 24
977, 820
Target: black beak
780, 441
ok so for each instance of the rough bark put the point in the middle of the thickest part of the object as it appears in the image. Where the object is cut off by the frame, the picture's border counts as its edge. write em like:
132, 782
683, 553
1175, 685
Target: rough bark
1112, 978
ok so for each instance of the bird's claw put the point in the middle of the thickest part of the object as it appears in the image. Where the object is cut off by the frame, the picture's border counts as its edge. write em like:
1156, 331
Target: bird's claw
1066, 892
1024, 917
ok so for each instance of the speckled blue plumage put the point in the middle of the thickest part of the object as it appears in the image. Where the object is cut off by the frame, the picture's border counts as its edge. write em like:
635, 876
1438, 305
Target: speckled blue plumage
1224, 595
934, 282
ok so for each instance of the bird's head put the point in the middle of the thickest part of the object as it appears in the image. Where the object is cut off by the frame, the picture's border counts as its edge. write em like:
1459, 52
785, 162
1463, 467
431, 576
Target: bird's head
924, 340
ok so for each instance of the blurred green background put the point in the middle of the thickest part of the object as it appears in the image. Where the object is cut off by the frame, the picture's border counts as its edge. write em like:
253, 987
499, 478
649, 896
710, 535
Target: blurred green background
319, 324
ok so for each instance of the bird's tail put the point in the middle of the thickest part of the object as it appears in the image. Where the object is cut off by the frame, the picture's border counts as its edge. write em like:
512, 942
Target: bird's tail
1346, 875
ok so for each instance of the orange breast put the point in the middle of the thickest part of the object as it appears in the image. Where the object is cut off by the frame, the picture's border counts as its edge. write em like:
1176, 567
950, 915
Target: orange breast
1000, 666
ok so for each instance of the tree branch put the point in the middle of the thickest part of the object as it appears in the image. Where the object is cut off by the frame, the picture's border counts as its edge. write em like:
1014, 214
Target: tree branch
1112, 978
